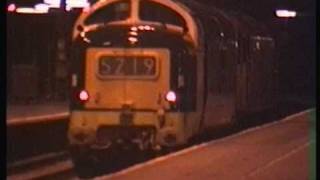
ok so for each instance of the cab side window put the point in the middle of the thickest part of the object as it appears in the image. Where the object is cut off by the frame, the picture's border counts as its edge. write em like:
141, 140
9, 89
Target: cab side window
116, 11
150, 11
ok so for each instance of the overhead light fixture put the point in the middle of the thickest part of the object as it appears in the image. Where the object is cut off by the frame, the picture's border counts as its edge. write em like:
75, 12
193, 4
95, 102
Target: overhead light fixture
283, 13
41, 7
70, 4
29, 10
11, 8
53, 3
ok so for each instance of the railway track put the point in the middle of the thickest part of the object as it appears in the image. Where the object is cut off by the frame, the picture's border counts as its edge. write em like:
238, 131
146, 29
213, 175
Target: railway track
40, 167
35, 139
57, 167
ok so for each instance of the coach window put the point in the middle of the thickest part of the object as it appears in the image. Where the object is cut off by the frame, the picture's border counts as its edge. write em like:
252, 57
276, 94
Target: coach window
150, 11
116, 11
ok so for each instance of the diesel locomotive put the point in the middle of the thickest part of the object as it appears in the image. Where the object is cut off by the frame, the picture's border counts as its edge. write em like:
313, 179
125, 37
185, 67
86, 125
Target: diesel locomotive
155, 73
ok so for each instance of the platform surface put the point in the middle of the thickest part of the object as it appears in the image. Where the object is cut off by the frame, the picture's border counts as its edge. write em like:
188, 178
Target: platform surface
277, 151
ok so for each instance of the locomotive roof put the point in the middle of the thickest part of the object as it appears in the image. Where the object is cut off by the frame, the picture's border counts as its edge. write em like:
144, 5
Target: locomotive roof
192, 28
238, 21
230, 24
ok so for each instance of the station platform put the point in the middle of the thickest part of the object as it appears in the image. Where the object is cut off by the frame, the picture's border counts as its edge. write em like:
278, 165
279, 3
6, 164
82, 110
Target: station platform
280, 150
30, 113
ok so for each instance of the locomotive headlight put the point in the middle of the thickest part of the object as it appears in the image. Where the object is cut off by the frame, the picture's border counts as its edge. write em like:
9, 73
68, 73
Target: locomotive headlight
84, 96
171, 96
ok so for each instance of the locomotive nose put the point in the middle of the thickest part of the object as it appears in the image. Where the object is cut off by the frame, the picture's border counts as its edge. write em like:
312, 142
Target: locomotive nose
168, 136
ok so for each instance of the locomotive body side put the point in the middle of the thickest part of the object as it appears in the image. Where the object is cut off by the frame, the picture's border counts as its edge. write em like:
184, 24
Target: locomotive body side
240, 68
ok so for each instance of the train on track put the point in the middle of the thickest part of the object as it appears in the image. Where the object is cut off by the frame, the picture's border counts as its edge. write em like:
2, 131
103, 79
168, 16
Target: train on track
155, 73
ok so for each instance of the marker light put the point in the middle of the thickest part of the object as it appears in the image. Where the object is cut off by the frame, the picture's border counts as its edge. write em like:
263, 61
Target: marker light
141, 27
286, 13
148, 28
171, 96
132, 40
133, 28
144, 28
83, 96
133, 33
11, 8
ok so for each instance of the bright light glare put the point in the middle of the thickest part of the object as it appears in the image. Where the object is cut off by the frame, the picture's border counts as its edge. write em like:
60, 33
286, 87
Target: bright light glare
68, 8
133, 28
44, 7
133, 39
286, 13
11, 7
53, 3
141, 27
84, 96
69, 4
28, 10
145, 28
41, 7
148, 28
77, 4
133, 33
171, 96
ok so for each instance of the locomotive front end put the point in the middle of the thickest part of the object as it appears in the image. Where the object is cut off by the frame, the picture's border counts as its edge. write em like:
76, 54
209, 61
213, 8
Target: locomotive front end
123, 99
133, 76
